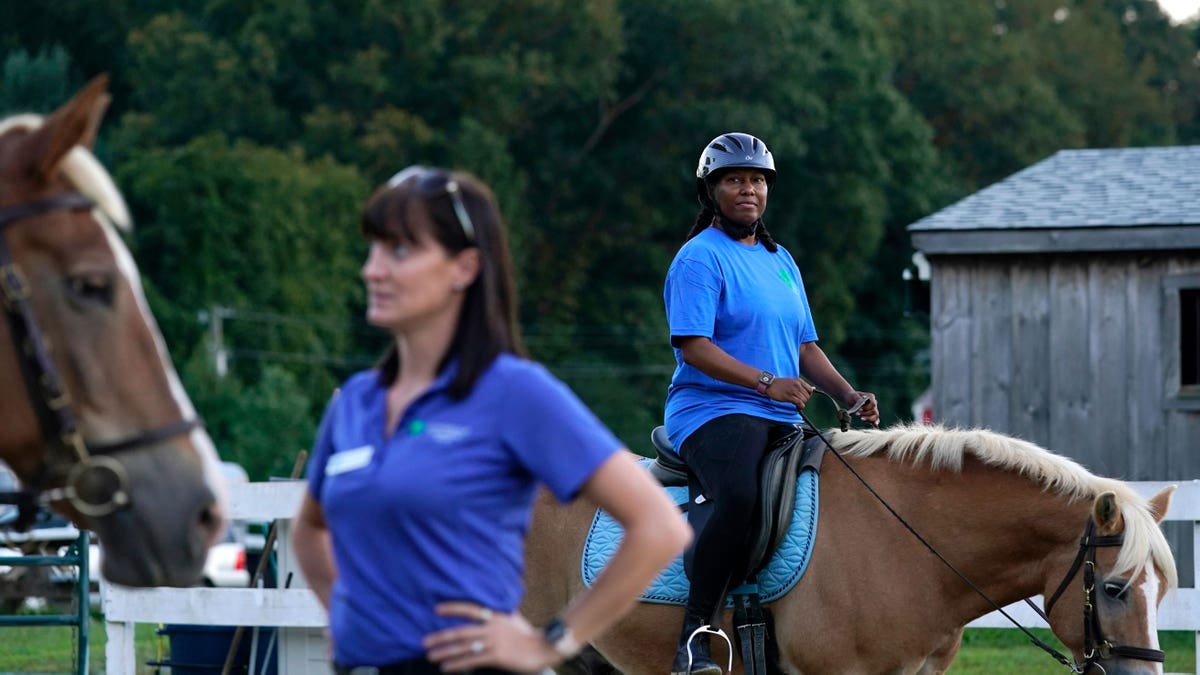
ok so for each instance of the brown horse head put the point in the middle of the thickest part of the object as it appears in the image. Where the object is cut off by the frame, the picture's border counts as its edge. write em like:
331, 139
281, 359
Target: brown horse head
93, 418
1124, 569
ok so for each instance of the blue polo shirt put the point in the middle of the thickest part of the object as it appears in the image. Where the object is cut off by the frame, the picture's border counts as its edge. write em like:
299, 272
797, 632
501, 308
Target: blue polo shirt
751, 303
439, 511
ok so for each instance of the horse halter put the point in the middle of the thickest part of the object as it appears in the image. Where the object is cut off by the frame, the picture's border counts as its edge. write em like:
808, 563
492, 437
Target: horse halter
1095, 646
96, 484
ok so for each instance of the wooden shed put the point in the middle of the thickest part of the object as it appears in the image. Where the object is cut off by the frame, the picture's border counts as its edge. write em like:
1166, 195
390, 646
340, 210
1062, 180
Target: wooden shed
1065, 309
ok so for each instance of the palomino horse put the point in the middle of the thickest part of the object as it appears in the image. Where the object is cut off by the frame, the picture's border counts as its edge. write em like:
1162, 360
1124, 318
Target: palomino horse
93, 419
1009, 515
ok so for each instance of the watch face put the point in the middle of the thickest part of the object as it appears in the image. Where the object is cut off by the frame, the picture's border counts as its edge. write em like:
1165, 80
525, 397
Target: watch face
766, 378
555, 630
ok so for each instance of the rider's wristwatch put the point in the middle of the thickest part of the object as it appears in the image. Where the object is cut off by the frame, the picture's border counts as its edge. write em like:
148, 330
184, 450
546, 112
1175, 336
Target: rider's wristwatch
765, 379
560, 638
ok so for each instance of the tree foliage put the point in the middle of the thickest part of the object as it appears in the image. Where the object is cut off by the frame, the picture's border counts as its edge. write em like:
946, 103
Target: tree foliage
247, 134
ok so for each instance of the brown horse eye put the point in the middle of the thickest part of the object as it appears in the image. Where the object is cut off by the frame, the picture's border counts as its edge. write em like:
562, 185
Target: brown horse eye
91, 288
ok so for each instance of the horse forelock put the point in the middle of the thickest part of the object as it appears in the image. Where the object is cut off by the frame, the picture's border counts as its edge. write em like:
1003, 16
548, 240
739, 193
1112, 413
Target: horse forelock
944, 449
85, 172
1145, 543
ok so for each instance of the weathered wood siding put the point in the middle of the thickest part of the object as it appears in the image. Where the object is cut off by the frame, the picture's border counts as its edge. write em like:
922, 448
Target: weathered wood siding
1067, 351
1075, 352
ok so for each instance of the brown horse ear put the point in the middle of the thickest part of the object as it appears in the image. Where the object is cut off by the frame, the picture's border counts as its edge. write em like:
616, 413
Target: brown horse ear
1107, 514
88, 140
74, 123
1161, 502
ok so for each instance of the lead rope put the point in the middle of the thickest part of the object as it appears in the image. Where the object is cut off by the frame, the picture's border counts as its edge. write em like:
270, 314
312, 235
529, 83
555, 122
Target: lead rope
844, 417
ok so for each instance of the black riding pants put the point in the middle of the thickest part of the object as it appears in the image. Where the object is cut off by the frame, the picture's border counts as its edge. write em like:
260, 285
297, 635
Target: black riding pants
724, 456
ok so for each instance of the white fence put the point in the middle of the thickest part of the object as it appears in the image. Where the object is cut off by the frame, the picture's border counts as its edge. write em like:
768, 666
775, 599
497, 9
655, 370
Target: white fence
300, 618
295, 612
1180, 609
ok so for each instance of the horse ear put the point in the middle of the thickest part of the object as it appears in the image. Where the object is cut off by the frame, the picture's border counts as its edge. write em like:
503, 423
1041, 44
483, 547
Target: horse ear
1161, 502
1107, 514
75, 123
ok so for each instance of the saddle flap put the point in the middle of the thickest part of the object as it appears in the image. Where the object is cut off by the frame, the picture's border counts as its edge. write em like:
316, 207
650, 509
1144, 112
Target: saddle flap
777, 491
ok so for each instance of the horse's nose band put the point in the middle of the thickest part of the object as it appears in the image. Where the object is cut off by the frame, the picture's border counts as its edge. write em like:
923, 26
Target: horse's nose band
96, 484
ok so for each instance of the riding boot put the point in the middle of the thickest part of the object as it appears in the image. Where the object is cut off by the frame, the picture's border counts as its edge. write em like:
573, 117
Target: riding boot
701, 651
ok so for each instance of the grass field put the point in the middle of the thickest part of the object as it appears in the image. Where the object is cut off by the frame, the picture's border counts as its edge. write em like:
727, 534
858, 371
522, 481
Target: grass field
994, 651
984, 651
51, 649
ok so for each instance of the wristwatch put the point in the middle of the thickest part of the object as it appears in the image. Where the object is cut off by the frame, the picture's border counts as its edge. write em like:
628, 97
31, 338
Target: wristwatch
560, 638
765, 379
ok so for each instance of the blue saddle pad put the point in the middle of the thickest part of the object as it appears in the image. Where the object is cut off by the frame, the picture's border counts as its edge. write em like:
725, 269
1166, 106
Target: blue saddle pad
786, 567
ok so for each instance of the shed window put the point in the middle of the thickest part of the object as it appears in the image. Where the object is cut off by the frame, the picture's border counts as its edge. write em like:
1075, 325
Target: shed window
1189, 337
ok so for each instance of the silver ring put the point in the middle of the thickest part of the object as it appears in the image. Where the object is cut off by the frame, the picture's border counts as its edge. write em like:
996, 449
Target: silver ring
485, 615
477, 646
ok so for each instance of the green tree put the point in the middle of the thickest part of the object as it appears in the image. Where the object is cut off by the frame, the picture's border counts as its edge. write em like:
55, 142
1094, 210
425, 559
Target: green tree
1164, 57
247, 134
976, 81
1082, 53
35, 83
267, 235
274, 423
191, 82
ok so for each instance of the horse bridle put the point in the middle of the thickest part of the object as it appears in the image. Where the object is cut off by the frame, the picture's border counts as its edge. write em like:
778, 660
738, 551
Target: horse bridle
90, 464
1095, 646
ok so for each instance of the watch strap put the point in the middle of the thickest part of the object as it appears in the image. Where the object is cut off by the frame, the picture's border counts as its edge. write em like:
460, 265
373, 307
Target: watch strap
560, 637
765, 379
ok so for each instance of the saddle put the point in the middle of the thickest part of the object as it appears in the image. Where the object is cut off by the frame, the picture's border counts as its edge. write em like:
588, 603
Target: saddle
782, 464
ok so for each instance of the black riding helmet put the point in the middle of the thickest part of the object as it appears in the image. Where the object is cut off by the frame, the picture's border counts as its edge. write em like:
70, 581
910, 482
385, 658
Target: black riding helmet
734, 150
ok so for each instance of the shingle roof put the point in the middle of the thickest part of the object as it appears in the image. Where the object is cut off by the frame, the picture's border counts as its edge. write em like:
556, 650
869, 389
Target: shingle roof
1118, 187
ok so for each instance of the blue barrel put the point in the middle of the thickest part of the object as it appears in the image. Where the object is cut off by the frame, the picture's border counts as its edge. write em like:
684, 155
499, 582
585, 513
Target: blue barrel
201, 650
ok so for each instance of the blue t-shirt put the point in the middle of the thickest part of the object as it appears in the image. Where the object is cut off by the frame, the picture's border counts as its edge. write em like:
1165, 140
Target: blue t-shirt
439, 511
751, 303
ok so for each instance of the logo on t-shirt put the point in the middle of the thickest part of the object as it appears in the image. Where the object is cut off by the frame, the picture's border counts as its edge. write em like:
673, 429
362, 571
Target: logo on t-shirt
786, 277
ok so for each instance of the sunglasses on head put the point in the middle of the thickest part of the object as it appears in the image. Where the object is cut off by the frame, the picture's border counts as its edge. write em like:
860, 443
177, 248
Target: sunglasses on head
434, 183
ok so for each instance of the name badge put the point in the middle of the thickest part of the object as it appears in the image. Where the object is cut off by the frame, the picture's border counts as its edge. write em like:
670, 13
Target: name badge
349, 460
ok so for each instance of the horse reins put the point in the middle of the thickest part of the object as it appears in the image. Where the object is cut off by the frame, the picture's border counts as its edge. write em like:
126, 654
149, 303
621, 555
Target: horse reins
89, 465
1095, 647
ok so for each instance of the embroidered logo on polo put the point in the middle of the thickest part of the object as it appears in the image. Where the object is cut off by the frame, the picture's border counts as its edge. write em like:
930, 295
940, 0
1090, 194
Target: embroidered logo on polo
786, 277
442, 432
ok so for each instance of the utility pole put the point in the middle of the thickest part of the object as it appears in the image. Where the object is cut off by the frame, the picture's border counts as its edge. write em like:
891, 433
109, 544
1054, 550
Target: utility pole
215, 317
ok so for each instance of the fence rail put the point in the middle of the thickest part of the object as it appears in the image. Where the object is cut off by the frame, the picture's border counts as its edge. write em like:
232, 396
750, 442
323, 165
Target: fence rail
297, 613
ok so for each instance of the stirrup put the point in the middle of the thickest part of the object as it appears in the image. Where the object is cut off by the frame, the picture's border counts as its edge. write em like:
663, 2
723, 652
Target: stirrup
707, 628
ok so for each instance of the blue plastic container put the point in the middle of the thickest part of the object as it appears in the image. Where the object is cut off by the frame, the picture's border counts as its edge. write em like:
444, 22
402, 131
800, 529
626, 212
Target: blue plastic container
201, 650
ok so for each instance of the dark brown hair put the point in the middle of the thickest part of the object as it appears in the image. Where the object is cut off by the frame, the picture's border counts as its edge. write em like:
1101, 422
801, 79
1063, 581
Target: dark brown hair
487, 324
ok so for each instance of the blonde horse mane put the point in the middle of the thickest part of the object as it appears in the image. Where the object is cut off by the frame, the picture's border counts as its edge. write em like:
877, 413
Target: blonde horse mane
85, 172
944, 449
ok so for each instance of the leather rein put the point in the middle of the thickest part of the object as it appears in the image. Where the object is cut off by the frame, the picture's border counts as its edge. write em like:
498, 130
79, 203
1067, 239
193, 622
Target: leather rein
1096, 647
96, 484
